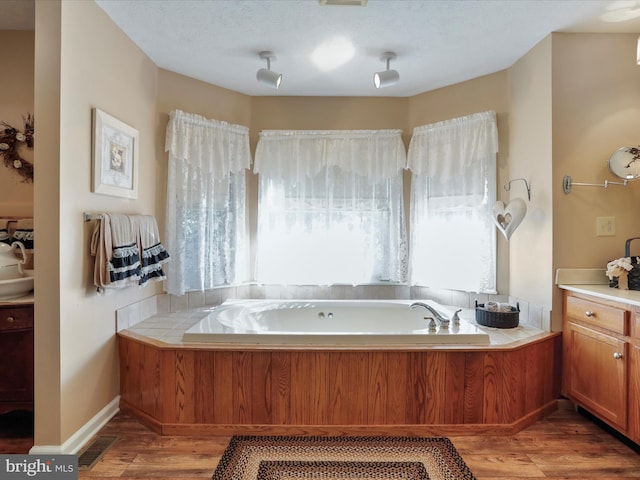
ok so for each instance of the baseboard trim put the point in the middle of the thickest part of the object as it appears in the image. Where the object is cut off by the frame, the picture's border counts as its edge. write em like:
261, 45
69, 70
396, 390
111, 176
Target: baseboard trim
323, 430
83, 435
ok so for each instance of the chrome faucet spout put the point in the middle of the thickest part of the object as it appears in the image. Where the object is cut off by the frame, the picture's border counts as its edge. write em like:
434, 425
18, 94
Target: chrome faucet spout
441, 320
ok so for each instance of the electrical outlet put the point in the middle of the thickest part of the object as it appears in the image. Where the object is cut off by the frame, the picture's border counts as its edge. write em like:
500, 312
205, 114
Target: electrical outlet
605, 226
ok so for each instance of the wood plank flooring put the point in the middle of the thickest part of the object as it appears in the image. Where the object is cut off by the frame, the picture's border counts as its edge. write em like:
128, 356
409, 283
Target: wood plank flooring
564, 445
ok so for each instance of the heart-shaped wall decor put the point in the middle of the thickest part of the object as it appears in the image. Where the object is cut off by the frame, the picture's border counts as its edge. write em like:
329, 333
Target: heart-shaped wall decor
508, 218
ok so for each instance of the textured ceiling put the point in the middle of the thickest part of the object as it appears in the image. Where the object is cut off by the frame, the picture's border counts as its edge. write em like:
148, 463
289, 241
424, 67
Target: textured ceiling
437, 42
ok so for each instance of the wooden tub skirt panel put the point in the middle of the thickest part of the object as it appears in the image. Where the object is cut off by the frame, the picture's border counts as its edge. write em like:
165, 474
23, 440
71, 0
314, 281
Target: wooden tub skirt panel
179, 390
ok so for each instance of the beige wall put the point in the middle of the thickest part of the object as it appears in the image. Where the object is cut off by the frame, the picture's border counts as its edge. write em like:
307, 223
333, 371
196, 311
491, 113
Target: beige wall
16, 101
596, 110
48, 422
83, 61
481, 94
530, 157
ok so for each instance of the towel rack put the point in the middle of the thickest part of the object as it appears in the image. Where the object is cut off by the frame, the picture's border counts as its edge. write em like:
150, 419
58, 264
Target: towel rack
567, 183
91, 216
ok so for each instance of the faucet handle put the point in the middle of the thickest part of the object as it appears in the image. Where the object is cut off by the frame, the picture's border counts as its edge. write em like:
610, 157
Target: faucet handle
432, 323
455, 319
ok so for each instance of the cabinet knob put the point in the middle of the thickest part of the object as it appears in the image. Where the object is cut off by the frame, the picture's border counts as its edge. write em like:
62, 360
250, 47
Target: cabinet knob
589, 313
10, 319
617, 356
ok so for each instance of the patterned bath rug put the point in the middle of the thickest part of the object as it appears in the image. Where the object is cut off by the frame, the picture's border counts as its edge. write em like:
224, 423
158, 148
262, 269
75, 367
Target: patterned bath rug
344, 458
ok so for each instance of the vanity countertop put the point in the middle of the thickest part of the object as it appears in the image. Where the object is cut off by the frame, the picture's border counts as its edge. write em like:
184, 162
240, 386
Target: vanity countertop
629, 297
591, 281
25, 299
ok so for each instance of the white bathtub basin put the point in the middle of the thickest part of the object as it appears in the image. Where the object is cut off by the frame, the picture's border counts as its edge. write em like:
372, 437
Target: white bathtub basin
329, 322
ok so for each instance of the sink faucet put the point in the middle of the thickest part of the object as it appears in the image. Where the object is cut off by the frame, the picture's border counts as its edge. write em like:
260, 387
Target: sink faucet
443, 321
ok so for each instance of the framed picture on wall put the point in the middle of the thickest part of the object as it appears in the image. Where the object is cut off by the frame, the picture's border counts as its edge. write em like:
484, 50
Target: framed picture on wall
115, 156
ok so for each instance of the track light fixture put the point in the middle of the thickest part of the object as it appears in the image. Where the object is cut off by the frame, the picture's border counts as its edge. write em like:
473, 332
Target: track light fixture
266, 75
387, 77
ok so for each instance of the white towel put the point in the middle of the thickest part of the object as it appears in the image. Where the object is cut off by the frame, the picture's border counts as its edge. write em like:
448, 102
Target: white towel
115, 246
124, 266
102, 250
127, 251
498, 307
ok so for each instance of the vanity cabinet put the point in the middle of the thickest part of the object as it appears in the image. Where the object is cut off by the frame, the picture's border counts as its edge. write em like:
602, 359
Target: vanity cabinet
634, 377
600, 370
16, 362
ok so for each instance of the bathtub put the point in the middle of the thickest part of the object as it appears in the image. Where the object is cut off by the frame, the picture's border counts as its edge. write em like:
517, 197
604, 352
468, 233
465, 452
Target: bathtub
332, 322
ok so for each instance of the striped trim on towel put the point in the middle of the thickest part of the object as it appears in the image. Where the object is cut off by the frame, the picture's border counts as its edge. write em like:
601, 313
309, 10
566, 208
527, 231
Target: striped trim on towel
125, 264
152, 260
24, 233
127, 250
25, 237
153, 252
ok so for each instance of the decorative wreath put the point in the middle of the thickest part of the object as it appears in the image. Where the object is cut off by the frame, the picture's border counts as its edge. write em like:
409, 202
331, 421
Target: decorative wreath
10, 141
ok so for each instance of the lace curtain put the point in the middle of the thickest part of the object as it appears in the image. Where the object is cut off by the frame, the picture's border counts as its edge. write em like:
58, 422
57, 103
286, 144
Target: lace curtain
330, 207
206, 211
453, 178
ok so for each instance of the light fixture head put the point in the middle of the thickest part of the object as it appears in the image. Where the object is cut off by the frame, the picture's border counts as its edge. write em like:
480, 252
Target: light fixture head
269, 77
387, 77
266, 75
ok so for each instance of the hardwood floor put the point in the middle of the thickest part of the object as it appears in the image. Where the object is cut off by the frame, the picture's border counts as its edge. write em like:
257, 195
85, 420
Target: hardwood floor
564, 445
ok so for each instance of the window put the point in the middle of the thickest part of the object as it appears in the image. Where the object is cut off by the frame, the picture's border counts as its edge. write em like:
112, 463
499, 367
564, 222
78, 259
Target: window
206, 207
453, 170
330, 207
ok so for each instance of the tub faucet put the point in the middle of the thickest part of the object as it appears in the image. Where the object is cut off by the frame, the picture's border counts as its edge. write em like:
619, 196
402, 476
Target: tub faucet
443, 321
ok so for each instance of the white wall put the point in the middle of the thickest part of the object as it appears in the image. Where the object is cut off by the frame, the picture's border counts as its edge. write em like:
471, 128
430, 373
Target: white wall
530, 157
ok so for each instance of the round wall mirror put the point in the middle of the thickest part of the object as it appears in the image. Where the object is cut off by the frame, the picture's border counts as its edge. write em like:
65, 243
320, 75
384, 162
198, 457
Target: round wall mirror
625, 163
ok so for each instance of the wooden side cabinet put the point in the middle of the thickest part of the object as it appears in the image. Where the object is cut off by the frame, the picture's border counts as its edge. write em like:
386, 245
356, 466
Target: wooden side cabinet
597, 377
16, 362
634, 377
600, 365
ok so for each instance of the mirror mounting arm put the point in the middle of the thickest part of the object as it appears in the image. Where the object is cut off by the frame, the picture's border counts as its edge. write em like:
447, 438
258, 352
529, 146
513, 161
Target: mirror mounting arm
624, 163
567, 184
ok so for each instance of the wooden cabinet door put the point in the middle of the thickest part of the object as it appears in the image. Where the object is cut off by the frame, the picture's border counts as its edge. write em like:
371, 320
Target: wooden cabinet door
597, 373
634, 392
16, 367
16, 362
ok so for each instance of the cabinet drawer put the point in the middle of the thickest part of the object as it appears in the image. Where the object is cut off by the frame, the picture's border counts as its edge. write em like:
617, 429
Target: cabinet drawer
16, 318
598, 315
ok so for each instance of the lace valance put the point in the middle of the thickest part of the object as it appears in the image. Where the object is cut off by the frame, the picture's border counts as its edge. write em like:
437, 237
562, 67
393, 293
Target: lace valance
444, 149
372, 153
212, 146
